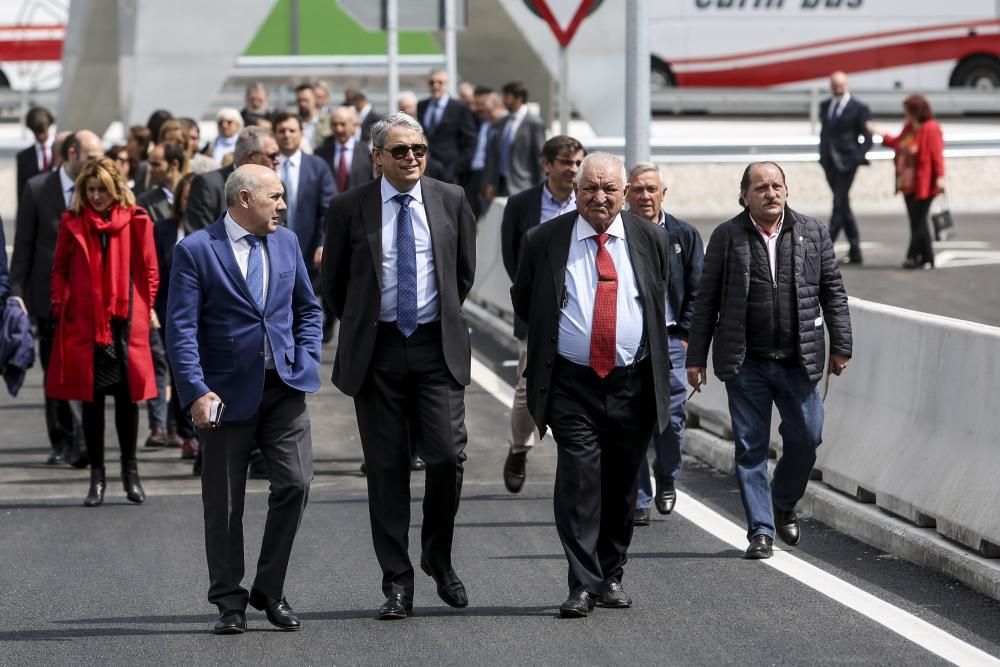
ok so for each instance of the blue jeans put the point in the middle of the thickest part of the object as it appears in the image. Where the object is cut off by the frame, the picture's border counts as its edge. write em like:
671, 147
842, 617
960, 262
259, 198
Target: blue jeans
668, 445
157, 407
784, 383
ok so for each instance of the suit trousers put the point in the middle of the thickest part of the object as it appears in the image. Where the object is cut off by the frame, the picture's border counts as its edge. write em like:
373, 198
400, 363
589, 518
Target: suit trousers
156, 408
523, 432
408, 382
602, 428
921, 249
281, 430
668, 445
63, 419
842, 218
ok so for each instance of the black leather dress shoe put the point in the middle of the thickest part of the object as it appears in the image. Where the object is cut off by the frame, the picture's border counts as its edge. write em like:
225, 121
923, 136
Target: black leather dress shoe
786, 525
232, 622
760, 547
397, 606
579, 604
613, 595
450, 588
666, 496
55, 458
641, 516
514, 471
278, 612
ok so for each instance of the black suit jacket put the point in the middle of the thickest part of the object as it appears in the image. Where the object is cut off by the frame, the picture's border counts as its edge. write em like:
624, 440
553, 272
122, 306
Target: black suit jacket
366, 124
156, 204
35, 232
523, 212
316, 189
352, 274
452, 141
207, 197
27, 166
361, 162
838, 138
537, 294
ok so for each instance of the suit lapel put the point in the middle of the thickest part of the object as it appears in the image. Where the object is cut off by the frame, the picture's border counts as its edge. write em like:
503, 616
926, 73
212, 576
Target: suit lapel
635, 241
559, 253
371, 215
224, 251
437, 221
274, 262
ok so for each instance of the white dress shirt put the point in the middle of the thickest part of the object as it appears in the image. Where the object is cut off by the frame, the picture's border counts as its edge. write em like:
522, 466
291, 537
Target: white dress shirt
347, 150
580, 290
435, 111
428, 307
223, 147
241, 249
515, 122
288, 172
42, 149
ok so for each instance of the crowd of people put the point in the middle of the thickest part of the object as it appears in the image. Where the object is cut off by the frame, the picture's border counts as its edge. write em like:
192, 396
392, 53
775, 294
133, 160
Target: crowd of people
204, 278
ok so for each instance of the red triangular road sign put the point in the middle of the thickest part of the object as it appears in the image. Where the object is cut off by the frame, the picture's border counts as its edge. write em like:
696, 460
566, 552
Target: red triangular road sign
563, 35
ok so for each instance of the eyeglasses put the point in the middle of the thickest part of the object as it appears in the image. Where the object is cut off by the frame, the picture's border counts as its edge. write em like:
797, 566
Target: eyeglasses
400, 152
271, 156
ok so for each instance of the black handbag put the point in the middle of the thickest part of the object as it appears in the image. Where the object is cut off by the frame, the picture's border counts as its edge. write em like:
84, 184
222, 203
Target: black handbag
944, 224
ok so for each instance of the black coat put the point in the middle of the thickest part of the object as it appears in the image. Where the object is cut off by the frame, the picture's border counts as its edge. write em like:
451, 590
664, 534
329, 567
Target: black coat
352, 274
361, 162
522, 212
207, 197
35, 233
27, 166
839, 148
156, 204
452, 141
687, 259
720, 310
541, 277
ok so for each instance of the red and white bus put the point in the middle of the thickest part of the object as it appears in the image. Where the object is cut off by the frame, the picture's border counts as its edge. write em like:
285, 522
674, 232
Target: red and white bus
881, 44
31, 41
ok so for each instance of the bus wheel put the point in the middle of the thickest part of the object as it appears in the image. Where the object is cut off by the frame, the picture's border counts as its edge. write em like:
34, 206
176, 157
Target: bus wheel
660, 76
979, 72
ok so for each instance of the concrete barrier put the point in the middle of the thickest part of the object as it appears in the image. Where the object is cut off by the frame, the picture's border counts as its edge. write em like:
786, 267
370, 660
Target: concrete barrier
912, 426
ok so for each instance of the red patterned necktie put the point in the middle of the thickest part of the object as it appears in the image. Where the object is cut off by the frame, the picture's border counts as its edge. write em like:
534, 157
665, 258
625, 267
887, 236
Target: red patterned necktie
602, 331
342, 169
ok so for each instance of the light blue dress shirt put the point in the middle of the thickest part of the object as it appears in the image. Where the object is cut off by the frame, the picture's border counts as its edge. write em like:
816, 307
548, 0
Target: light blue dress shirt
577, 307
428, 307
241, 249
552, 207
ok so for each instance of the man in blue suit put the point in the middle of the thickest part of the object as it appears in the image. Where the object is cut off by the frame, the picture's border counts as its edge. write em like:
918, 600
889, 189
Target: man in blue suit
244, 329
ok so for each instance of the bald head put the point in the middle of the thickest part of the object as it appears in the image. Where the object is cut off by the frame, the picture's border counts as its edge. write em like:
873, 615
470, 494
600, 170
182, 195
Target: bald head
254, 198
343, 123
80, 147
838, 84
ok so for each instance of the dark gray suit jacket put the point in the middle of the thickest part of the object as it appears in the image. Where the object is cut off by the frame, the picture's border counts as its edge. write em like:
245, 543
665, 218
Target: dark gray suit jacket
838, 137
538, 289
27, 166
207, 197
35, 232
352, 274
525, 168
156, 204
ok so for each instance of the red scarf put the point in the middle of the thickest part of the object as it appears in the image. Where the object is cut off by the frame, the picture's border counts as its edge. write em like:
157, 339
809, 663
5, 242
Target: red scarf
110, 279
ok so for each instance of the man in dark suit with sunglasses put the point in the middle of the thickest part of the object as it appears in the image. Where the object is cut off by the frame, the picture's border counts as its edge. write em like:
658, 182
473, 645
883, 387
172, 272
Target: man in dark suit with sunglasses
399, 261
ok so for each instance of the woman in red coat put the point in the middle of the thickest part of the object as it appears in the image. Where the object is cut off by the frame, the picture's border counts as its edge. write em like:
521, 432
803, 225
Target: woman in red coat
104, 280
919, 174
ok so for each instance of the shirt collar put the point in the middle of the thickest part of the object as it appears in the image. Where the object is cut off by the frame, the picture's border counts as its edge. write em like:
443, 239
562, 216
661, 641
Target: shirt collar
347, 145
48, 142
443, 102
552, 198
662, 222
520, 113
64, 180
295, 158
227, 141
777, 229
233, 229
585, 231
389, 191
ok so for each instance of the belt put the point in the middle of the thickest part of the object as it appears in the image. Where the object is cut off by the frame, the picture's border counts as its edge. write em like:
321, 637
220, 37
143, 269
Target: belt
586, 373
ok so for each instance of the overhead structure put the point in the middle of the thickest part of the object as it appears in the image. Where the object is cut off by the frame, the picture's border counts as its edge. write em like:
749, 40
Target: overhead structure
124, 59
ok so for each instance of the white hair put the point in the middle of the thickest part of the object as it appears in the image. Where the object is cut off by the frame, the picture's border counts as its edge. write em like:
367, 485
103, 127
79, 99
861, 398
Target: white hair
610, 162
380, 130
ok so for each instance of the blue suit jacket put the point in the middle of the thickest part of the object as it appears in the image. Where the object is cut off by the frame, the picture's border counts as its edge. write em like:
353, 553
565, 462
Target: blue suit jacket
316, 189
215, 330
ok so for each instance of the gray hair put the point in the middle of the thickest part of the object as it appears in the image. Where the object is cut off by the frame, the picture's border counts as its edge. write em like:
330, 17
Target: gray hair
251, 140
255, 86
399, 119
239, 180
644, 168
606, 160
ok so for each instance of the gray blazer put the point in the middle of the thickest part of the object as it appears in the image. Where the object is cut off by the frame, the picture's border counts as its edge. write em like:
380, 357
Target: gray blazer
525, 168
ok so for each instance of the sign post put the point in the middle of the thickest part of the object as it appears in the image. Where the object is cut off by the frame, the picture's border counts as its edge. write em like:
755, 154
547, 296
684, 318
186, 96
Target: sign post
637, 107
564, 36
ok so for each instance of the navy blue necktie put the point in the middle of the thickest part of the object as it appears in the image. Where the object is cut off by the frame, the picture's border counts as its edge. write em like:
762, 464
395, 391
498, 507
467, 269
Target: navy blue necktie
406, 268
255, 270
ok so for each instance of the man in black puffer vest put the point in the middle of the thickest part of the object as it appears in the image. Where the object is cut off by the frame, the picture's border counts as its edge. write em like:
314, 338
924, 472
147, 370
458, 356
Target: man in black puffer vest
769, 284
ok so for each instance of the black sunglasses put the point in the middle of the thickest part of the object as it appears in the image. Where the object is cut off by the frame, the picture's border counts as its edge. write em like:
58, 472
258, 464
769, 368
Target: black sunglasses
400, 152
271, 156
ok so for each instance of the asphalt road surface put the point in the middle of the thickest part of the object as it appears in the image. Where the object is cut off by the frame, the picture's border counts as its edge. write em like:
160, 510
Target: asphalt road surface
126, 584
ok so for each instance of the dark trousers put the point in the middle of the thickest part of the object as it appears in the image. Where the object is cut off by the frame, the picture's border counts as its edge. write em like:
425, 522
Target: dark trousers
126, 424
180, 419
281, 429
920, 249
842, 217
63, 419
668, 445
408, 382
472, 182
601, 429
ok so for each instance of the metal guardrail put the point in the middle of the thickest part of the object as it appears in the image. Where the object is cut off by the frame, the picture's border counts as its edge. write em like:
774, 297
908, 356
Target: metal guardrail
755, 101
328, 66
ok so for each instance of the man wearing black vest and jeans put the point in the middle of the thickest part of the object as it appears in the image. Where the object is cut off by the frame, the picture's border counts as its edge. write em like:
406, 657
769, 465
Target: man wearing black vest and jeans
769, 285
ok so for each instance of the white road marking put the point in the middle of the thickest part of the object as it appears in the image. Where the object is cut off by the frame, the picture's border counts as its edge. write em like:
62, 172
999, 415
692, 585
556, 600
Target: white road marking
957, 258
509, 363
903, 623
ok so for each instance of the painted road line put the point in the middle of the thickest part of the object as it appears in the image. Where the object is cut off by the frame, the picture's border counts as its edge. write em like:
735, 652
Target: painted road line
903, 623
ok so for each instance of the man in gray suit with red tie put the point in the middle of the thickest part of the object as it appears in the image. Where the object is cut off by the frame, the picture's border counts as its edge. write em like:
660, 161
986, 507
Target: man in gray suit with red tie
400, 259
